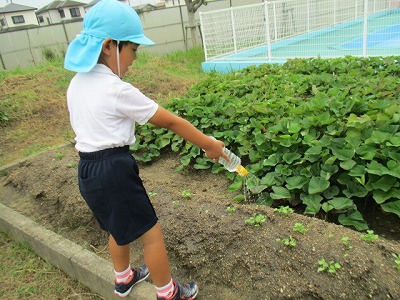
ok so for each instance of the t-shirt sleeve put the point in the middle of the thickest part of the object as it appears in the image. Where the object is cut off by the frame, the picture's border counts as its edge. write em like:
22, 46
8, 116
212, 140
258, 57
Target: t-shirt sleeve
134, 104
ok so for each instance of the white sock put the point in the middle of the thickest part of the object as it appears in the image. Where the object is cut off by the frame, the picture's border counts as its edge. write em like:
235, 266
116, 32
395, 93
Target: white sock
166, 291
123, 276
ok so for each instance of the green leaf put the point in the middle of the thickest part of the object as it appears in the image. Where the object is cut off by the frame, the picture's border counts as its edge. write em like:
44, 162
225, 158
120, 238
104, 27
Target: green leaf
378, 137
312, 202
317, 185
375, 168
348, 164
294, 127
353, 218
331, 192
394, 141
354, 189
341, 203
343, 154
280, 193
393, 169
357, 171
385, 183
272, 160
328, 170
264, 199
295, 182
238, 198
381, 196
236, 185
315, 150
290, 157
326, 207
366, 152
392, 207
269, 179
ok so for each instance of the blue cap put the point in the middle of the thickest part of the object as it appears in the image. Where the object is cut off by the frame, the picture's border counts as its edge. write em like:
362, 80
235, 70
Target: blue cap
107, 19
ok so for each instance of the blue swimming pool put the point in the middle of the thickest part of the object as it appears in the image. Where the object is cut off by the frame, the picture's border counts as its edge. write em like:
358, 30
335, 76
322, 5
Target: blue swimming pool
385, 38
382, 39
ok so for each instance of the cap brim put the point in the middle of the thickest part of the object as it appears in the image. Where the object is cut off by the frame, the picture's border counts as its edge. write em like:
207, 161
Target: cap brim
142, 40
83, 53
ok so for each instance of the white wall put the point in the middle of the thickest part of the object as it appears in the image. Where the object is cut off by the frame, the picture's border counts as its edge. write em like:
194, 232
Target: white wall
29, 17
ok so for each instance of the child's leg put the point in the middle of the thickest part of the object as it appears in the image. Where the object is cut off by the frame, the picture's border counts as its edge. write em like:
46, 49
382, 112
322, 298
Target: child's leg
119, 255
155, 255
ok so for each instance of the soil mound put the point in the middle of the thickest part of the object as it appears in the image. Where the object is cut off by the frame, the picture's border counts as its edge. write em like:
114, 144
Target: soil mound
211, 243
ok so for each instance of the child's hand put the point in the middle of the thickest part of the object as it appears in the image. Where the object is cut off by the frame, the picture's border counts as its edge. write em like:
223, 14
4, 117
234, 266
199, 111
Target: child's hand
214, 150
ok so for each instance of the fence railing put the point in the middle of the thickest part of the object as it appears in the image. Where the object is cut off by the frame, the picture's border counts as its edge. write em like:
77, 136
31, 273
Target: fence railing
232, 30
168, 28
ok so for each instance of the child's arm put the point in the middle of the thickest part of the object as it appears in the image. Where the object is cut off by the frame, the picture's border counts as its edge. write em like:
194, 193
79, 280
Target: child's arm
164, 118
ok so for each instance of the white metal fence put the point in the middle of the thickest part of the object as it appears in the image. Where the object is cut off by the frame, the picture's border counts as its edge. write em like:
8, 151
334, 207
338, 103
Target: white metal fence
167, 27
231, 30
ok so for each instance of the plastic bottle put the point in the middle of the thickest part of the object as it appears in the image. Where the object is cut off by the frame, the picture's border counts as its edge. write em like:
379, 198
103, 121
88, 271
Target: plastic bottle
235, 165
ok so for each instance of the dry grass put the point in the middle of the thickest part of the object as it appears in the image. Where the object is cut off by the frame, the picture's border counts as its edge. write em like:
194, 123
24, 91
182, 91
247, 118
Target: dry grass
34, 99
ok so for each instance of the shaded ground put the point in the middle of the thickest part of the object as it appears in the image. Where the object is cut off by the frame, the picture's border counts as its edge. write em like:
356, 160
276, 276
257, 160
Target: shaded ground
206, 243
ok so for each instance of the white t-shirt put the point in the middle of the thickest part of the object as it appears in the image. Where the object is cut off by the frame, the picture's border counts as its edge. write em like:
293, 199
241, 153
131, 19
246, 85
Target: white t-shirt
103, 110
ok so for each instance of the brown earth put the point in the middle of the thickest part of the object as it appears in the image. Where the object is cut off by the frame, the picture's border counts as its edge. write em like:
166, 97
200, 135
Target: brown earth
227, 257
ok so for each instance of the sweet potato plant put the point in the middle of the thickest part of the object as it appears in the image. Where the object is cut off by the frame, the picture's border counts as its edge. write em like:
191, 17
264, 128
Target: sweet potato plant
322, 135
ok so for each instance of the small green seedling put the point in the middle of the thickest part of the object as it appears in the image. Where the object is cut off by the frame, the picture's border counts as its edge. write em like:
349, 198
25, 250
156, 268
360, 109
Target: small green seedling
186, 194
72, 164
289, 242
231, 209
59, 155
396, 260
256, 220
300, 228
329, 267
286, 211
176, 203
346, 242
152, 194
369, 237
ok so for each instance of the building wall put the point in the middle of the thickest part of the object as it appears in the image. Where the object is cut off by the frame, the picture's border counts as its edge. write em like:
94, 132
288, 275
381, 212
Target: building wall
29, 18
54, 17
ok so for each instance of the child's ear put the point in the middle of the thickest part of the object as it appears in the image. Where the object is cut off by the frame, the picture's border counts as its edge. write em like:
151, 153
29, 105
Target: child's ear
107, 45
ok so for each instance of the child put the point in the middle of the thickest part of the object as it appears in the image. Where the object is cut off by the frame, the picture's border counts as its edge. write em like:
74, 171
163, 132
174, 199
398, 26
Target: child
103, 111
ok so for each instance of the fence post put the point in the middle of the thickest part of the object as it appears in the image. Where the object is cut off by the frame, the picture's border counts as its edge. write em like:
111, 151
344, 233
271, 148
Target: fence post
334, 12
356, 9
203, 36
267, 30
183, 28
365, 30
275, 24
30, 47
2, 62
233, 30
308, 15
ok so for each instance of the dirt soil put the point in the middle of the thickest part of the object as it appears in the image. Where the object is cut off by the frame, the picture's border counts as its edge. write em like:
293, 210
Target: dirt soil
227, 257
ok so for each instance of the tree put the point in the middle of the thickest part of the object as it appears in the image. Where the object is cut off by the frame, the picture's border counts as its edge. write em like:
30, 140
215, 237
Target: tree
192, 7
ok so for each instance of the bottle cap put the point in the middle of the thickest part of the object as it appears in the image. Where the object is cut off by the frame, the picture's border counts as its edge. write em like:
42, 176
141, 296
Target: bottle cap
241, 171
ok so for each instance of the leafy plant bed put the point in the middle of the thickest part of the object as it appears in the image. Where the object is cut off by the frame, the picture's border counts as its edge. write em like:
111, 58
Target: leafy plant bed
320, 135
208, 238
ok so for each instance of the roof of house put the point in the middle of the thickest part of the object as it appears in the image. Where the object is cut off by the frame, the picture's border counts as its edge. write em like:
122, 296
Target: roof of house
12, 7
59, 4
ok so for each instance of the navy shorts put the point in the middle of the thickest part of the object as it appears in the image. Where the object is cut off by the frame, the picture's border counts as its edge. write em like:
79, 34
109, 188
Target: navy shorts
110, 184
